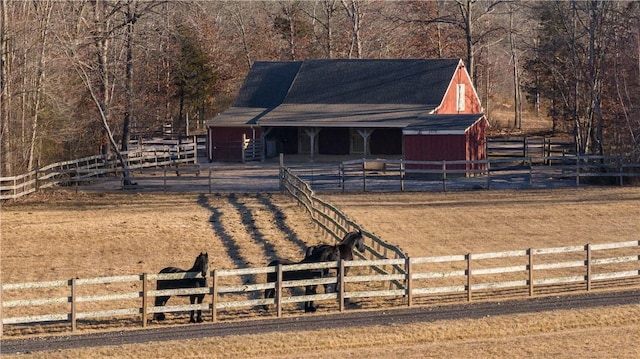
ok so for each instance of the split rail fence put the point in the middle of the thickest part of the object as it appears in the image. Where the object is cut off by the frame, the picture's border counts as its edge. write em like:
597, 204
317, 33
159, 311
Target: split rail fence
471, 276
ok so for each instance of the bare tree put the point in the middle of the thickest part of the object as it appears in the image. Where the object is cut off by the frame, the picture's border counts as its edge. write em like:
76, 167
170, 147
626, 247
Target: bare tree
323, 18
6, 156
355, 10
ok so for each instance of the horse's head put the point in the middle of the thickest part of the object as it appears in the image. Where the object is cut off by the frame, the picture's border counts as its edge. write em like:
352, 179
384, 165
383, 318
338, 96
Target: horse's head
354, 239
360, 242
202, 264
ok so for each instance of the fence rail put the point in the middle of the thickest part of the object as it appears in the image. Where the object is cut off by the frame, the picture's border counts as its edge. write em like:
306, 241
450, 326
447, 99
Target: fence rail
381, 174
83, 169
539, 148
472, 276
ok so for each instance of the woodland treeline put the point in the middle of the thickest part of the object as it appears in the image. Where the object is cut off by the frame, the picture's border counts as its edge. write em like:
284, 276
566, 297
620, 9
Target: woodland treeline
80, 77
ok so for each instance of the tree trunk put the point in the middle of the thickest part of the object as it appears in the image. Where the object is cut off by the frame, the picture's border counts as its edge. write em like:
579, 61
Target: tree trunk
5, 132
44, 34
128, 114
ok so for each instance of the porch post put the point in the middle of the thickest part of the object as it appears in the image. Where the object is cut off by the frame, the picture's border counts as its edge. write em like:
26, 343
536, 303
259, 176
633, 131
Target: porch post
365, 133
312, 133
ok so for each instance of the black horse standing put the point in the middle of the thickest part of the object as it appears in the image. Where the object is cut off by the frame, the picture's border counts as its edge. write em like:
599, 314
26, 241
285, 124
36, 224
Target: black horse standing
329, 254
350, 241
200, 265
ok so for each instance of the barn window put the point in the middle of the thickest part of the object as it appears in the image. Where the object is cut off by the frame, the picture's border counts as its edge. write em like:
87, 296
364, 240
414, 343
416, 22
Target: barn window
460, 97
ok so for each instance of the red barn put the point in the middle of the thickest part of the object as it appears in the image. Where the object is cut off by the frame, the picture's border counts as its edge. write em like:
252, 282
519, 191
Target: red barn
419, 109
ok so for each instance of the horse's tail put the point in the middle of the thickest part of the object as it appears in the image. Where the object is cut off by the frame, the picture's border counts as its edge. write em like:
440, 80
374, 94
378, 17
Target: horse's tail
310, 251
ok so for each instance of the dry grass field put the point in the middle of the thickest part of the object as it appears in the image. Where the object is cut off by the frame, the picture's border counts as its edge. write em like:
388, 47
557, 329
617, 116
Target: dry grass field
61, 235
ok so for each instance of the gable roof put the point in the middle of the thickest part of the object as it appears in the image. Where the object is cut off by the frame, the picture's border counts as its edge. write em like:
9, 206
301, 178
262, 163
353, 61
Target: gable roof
267, 84
409, 82
340, 93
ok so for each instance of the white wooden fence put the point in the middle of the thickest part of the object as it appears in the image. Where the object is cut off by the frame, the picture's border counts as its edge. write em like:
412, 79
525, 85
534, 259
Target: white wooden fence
473, 276
83, 169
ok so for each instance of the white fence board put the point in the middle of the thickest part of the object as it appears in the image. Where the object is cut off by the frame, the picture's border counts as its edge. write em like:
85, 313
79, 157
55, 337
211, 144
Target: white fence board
599, 269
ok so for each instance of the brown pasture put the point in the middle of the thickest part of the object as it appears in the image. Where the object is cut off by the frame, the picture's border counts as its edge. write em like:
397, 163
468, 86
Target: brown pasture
61, 235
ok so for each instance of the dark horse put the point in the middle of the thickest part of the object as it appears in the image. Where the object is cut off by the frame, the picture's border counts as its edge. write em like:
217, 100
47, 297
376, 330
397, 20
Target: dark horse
345, 246
201, 265
330, 254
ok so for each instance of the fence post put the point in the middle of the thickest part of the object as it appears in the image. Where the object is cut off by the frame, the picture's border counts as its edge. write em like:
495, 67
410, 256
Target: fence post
195, 149
588, 263
341, 285
530, 171
444, 176
164, 187
342, 176
279, 291
37, 172
401, 175
488, 174
530, 253
210, 172
73, 304
364, 175
145, 301
214, 295
577, 170
409, 285
468, 277
620, 170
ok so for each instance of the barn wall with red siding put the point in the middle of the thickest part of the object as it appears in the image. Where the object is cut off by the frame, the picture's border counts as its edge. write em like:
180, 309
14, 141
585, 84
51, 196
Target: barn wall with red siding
225, 143
476, 141
472, 101
435, 148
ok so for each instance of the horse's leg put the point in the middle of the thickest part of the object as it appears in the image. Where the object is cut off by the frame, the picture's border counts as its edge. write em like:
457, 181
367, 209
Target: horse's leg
192, 318
309, 307
200, 298
160, 302
268, 293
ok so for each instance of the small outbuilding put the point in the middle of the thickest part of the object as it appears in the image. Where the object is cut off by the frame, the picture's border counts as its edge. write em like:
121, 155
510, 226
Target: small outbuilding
413, 108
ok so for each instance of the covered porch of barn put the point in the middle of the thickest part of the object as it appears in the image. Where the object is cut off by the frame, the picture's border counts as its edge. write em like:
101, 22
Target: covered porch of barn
336, 141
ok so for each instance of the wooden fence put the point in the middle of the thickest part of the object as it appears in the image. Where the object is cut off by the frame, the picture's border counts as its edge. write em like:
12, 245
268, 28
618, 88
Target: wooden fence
471, 276
331, 220
84, 169
251, 149
538, 148
397, 174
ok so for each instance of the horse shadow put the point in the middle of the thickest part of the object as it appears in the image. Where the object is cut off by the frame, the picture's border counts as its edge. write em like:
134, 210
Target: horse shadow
231, 247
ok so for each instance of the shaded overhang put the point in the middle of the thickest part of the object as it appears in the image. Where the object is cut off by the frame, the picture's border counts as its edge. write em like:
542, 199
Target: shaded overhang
238, 117
451, 124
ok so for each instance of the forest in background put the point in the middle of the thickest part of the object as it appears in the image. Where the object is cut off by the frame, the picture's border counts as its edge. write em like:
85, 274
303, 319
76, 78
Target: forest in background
80, 77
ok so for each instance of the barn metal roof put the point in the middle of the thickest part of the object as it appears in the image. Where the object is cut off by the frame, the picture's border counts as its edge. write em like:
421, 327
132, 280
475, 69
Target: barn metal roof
397, 81
340, 93
267, 84
453, 124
